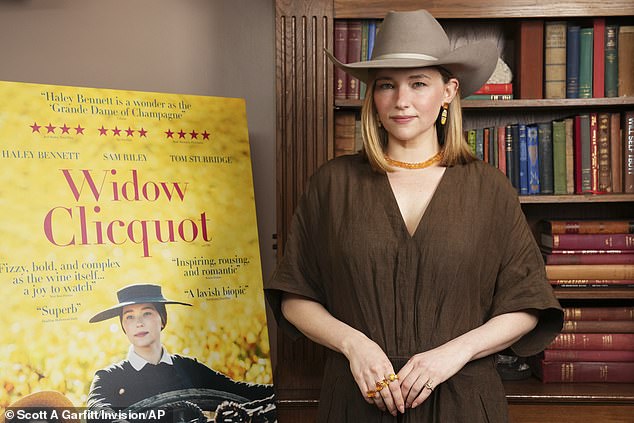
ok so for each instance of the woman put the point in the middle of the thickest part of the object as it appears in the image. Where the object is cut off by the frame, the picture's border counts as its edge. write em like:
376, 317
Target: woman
412, 262
149, 369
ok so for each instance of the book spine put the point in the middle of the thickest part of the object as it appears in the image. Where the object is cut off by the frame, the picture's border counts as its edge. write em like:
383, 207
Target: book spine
625, 46
594, 154
588, 226
555, 59
489, 97
586, 371
589, 241
586, 37
589, 258
371, 36
586, 150
598, 60
364, 53
590, 271
599, 326
530, 64
628, 152
559, 157
501, 88
344, 132
591, 283
533, 159
599, 313
471, 140
509, 152
546, 176
501, 143
605, 165
616, 152
588, 355
593, 341
611, 61
340, 51
523, 160
572, 62
515, 139
479, 143
485, 144
570, 155
353, 55
578, 155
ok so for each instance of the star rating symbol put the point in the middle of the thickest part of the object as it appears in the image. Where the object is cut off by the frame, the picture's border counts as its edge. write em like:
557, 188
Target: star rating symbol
142, 132
116, 131
79, 130
65, 129
181, 134
206, 135
169, 133
193, 134
50, 128
130, 132
103, 131
35, 127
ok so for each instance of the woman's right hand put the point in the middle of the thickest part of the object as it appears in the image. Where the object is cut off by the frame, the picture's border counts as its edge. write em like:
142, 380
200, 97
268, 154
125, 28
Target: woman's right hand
371, 370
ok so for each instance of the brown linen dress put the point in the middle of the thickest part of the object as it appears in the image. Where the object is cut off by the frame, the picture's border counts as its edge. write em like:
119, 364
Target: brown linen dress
472, 257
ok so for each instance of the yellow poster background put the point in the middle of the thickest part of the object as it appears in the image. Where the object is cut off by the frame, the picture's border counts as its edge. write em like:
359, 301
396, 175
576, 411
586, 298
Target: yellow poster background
89, 178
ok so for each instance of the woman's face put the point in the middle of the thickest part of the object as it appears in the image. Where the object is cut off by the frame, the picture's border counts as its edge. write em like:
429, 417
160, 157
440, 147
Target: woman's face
142, 325
408, 101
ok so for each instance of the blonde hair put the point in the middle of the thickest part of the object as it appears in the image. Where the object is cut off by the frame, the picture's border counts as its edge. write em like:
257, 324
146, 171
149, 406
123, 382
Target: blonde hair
455, 148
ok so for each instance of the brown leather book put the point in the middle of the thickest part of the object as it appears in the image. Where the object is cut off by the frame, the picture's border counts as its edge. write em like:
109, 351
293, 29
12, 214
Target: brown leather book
530, 62
626, 61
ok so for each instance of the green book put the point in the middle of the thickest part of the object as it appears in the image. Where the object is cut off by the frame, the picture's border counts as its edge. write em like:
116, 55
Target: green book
586, 40
364, 53
611, 61
559, 156
471, 140
545, 150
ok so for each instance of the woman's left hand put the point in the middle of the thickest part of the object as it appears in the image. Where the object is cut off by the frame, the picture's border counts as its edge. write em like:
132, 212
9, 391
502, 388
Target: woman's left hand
425, 371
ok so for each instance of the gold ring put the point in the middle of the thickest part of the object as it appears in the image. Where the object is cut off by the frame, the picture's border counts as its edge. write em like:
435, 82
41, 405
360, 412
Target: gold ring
392, 377
429, 385
380, 385
371, 394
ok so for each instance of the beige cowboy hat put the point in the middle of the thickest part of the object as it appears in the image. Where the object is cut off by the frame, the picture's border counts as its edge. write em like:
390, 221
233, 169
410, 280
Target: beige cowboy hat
416, 39
43, 400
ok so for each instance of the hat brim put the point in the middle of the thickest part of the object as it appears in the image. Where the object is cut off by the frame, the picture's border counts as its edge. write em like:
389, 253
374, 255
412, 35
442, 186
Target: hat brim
115, 311
472, 65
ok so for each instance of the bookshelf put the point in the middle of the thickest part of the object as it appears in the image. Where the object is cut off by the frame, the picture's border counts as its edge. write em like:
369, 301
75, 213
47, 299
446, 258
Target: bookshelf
305, 114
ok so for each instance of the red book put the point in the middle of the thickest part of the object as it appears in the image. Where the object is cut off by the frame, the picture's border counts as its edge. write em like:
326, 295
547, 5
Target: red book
552, 251
598, 60
599, 313
588, 355
501, 144
594, 154
340, 51
585, 371
620, 226
591, 283
588, 241
501, 88
530, 59
593, 341
353, 55
589, 258
598, 326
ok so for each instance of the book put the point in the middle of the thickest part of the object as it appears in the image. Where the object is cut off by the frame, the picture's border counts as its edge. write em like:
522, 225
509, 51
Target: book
353, 54
603, 141
559, 156
598, 58
588, 226
591, 283
345, 132
599, 313
340, 51
479, 143
372, 28
523, 159
501, 148
572, 62
593, 341
590, 271
532, 147
616, 152
364, 53
625, 47
485, 143
589, 258
555, 59
583, 150
611, 86
545, 147
624, 241
509, 152
584, 371
586, 38
471, 140
499, 88
628, 152
588, 355
489, 97
515, 140
598, 326
594, 154
530, 59
570, 155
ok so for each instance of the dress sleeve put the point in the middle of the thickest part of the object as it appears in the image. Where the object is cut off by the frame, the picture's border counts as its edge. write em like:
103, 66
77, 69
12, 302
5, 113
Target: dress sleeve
521, 281
298, 270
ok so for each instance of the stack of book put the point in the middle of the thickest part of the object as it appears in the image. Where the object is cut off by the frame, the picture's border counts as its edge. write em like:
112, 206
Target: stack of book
596, 345
588, 253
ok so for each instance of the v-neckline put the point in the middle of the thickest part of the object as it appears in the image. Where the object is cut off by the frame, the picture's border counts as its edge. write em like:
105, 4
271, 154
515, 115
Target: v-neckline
393, 209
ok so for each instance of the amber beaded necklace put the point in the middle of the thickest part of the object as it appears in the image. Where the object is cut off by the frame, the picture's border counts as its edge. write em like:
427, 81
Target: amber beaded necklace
419, 165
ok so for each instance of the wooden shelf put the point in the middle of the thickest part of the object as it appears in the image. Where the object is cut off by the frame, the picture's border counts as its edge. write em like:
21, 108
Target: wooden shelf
594, 293
576, 198
533, 390
566, 103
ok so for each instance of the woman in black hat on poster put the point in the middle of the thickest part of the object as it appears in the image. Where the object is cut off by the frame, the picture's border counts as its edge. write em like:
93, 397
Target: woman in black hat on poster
412, 261
149, 369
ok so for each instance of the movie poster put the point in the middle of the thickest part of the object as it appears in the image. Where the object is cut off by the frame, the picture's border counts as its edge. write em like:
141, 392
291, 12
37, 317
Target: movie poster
103, 189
